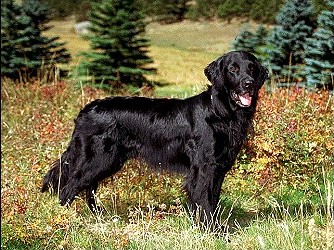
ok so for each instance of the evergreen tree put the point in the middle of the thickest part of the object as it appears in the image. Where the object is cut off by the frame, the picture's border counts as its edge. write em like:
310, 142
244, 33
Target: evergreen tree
230, 8
259, 10
286, 42
206, 9
243, 40
250, 41
39, 51
320, 5
118, 46
28, 49
263, 10
64, 8
165, 11
9, 39
319, 69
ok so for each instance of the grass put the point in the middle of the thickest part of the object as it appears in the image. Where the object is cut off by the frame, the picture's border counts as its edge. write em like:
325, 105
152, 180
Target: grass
210, 37
279, 195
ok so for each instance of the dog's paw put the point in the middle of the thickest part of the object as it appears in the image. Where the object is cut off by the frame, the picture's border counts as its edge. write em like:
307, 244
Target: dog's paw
95, 209
66, 197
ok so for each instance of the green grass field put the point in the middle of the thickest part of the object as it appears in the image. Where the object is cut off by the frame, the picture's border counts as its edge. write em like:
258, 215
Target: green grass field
279, 195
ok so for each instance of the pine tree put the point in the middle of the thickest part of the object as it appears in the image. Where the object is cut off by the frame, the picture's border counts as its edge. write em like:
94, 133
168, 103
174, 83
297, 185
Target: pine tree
29, 51
259, 10
250, 41
263, 10
9, 39
165, 11
319, 69
206, 9
243, 40
286, 42
118, 46
40, 51
229, 9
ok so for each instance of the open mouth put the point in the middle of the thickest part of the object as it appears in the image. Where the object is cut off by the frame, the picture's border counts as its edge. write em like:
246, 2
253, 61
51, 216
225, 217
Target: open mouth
243, 100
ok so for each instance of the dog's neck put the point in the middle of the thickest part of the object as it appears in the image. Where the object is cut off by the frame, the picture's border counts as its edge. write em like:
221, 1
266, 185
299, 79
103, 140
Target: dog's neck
230, 123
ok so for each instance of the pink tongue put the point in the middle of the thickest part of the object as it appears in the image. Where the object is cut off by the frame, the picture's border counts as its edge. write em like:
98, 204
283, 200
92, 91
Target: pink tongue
245, 99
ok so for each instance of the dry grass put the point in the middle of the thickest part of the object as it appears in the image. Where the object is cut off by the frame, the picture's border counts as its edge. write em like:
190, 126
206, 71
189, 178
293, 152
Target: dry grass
211, 37
65, 31
208, 37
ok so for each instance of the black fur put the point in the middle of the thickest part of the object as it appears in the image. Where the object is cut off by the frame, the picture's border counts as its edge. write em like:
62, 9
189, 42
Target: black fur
200, 136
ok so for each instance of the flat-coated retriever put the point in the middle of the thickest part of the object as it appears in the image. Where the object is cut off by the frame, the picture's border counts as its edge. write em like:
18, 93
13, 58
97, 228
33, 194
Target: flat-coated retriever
200, 136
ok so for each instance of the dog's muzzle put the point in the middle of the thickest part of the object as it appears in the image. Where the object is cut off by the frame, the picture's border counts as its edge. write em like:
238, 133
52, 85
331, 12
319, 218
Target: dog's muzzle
244, 100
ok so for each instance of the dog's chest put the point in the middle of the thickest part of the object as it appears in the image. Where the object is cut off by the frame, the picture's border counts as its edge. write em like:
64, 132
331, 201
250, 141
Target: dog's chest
229, 137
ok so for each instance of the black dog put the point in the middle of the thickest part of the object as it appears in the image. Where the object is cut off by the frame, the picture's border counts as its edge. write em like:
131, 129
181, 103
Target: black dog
200, 136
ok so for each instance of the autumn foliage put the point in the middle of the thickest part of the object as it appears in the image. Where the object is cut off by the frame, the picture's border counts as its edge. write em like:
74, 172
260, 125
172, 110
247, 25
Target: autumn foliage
293, 137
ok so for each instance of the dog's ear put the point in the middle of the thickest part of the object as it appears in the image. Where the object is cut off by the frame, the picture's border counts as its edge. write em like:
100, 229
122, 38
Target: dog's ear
213, 72
263, 74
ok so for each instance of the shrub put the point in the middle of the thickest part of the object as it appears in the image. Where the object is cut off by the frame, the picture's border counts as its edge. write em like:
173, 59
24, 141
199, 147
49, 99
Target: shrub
293, 139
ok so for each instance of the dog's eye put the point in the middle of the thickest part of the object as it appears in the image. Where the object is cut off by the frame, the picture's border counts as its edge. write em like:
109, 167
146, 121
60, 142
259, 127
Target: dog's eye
233, 68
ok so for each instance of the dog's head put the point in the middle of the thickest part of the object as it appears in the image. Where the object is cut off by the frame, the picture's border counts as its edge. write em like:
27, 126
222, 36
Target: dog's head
240, 74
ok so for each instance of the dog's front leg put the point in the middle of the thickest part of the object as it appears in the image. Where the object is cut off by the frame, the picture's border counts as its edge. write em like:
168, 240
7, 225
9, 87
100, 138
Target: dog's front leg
203, 187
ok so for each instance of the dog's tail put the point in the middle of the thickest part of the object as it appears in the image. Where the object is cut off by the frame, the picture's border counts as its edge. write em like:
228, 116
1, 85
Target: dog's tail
57, 177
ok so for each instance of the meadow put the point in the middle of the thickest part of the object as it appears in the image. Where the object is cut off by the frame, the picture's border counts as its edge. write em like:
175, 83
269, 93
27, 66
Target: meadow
279, 195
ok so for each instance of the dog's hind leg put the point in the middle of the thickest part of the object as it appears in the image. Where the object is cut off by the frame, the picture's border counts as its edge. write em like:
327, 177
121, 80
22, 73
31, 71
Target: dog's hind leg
90, 172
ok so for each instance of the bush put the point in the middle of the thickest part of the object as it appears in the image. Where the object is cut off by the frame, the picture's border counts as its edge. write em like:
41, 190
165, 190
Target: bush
293, 139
